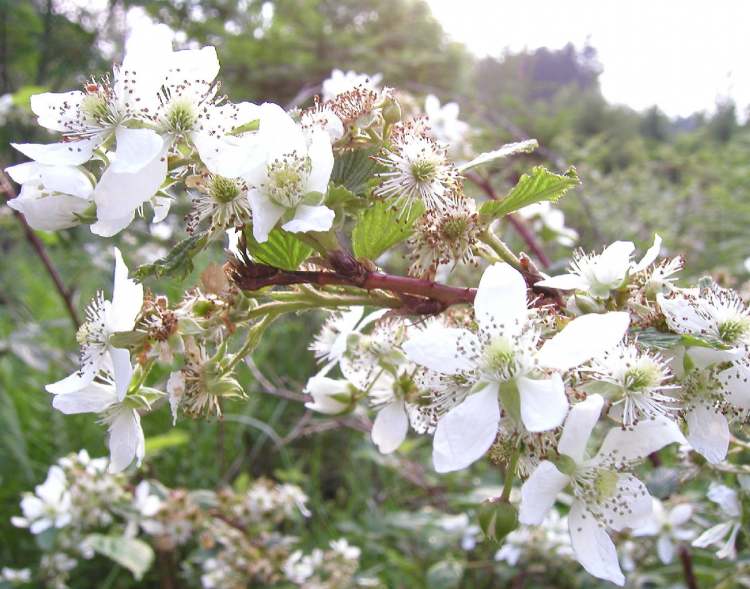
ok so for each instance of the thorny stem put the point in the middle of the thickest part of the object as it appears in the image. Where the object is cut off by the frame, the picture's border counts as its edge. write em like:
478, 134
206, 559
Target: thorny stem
499, 247
7, 188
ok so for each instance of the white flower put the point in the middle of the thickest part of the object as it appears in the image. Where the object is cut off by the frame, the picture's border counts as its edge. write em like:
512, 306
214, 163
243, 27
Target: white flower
668, 526
126, 441
546, 217
417, 170
445, 123
392, 421
344, 549
600, 274
725, 533
51, 197
104, 318
288, 177
49, 507
175, 392
637, 383
330, 396
549, 540
331, 343
503, 360
341, 82
603, 496
15, 576
146, 504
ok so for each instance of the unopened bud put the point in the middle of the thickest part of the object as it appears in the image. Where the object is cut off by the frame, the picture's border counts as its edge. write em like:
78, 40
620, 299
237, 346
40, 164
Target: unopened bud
497, 519
391, 110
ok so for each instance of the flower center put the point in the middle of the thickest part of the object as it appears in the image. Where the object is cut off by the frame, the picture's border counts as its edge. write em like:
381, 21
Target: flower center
287, 177
454, 228
642, 377
605, 484
499, 359
181, 116
223, 190
423, 171
734, 330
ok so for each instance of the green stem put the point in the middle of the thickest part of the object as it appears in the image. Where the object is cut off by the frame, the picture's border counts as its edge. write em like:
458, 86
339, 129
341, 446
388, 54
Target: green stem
253, 337
510, 474
499, 247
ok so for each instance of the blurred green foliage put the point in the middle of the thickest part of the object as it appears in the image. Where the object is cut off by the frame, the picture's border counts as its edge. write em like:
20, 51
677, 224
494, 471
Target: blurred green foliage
641, 173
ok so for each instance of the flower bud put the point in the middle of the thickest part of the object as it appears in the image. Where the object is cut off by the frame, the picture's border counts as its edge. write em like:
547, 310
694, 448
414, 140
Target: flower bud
391, 110
497, 519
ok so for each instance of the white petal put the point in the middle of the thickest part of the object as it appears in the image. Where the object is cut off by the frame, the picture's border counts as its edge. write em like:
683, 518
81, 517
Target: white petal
613, 263
66, 180
713, 535
68, 153
123, 371
135, 149
110, 227
74, 382
22, 173
56, 110
48, 213
736, 385
126, 441
310, 218
501, 299
390, 427
705, 357
466, 432
321, 159
644, 438
539, 492
633, 493
583, 338
161, 205
708, 433
228, 155
592, 545
119, 193
665, 548
565, 282
265, 214
726, 498
94, 398
650, 255
127, 297
544, 404
578, 427
446, 350
680, 514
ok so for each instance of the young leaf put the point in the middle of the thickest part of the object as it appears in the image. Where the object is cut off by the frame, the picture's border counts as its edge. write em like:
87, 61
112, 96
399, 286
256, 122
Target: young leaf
382, 226
538, 185
505, 151
281, 250
178, 262
353, 169
131, 553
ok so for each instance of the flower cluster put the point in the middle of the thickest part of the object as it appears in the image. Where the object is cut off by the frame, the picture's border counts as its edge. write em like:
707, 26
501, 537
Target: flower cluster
529, 371
235, 537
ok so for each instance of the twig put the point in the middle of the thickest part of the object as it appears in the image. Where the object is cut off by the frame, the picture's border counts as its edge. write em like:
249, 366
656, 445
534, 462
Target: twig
7, 188
687, 567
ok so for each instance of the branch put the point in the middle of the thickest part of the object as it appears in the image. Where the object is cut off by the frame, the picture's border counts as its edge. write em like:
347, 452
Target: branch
687, 567
7, 188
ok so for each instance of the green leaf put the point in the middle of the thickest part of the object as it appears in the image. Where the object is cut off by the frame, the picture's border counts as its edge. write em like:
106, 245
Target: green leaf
537, 186
281, 250
173, 438
381, 227
660, 340
131, 553
353, 170
178, 262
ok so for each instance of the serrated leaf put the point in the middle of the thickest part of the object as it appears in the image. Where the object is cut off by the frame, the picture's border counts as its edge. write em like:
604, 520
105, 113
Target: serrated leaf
536, 186
505, 151
281, 250
178, 262
353, 170
131, 553
381, 227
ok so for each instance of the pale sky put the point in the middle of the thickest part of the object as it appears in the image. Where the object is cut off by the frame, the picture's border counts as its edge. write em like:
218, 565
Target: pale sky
681, 55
